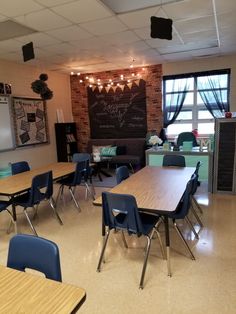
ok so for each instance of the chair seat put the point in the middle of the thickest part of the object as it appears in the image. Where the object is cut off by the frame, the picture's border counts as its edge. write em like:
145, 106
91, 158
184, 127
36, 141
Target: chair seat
4, 204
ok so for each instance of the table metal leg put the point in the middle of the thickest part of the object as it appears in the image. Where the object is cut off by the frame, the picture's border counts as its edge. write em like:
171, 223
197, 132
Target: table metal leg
14, 215
166, 221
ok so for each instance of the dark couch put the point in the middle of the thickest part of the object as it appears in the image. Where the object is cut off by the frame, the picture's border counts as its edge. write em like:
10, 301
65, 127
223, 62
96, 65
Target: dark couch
134, 150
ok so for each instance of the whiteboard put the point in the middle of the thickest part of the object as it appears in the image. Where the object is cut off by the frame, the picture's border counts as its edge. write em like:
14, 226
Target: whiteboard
6, 130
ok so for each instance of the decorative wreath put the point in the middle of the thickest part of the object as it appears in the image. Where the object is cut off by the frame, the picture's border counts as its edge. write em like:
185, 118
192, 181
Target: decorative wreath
40, 87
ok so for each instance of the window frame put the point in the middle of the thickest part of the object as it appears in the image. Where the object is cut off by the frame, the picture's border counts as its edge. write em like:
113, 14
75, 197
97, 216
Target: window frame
195, 107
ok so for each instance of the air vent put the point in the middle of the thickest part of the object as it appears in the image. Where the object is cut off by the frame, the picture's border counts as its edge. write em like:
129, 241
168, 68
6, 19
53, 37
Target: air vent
10, 29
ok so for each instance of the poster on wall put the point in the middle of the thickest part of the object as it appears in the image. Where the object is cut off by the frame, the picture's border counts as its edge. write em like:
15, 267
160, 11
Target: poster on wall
118, 111
30, 121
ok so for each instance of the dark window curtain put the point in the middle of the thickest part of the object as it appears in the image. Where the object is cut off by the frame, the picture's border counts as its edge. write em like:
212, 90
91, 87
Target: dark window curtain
173, 106
213, 97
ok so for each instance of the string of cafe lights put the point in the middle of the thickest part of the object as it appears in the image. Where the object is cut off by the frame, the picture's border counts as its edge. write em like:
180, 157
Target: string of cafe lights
120, 81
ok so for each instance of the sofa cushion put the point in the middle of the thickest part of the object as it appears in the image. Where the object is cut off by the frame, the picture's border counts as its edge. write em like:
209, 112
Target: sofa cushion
121, 150
108, 151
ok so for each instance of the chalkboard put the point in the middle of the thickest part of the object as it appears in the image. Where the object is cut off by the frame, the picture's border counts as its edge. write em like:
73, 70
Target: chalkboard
118, 111
6, 130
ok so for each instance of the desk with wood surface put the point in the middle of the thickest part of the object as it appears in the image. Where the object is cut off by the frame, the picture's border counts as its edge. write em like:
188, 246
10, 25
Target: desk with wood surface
157, 190
22, 292
13, 185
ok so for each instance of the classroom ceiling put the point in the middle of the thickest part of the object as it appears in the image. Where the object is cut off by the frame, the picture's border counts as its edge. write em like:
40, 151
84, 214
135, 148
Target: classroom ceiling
95, 35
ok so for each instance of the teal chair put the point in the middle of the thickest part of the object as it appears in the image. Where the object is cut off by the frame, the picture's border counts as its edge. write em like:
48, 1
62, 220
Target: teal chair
186, 137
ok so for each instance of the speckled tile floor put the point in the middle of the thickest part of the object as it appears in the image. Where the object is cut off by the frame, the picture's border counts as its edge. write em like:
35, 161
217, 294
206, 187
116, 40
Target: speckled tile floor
206, 285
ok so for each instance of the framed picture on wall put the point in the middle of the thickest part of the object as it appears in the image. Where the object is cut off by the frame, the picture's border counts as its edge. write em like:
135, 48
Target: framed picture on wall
30, 121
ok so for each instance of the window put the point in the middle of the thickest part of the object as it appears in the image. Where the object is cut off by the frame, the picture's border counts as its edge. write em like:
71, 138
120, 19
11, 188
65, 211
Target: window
192, 101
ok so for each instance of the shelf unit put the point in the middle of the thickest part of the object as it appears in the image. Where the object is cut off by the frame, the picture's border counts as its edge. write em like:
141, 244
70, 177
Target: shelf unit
225, 156
66, 141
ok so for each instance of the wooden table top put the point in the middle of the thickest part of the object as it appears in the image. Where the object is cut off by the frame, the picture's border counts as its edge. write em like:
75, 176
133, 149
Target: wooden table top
155, 188
22, 292
22, 181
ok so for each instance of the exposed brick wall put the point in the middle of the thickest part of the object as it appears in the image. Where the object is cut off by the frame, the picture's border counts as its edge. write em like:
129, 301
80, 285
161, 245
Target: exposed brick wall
153, 77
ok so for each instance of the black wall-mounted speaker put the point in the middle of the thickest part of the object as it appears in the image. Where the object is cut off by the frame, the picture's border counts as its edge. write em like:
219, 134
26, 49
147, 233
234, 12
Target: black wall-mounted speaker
28, 52
161, 28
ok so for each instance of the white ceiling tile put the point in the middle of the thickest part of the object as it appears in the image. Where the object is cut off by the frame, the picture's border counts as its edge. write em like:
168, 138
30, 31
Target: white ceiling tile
226, 20
188, 9
225, 6
157, 42
91, 44
60, 48
43, 20
52, 3
177, 56
10, 45
83, 11
73, 32
199, 37
195, 25
3, 18
11, 56
13, 8
143, 33
188, 47
38, 39
106, 26
121, 38
139, 18
132, 48
205, 52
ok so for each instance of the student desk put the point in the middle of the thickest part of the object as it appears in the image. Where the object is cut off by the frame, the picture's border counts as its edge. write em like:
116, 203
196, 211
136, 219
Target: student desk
14, 185
157, 190
26, 293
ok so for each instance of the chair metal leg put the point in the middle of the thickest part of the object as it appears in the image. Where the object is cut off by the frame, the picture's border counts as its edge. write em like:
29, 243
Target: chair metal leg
88, 190
197, 205
192, 227
161, 244
35, 211
196, 216
29, 221
145, 262
52, 204
74, 199
124, 240
103, 250
183, 240
131, 166
60, 192
12, 223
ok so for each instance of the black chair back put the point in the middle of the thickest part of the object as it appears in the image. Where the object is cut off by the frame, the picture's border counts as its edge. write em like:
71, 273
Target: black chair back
27, 251
173, 160
120, 211
122, 173
19, 167
41, 188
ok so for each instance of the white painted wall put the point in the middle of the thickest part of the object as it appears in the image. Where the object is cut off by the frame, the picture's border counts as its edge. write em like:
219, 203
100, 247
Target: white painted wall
207, 64
20, 76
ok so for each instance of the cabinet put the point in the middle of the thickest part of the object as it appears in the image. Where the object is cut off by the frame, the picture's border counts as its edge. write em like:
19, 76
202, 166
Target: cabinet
155, 157
66, 141
225, 156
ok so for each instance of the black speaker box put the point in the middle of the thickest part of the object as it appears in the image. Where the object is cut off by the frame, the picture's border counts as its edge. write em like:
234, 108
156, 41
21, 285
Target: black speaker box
28, 51
161, 28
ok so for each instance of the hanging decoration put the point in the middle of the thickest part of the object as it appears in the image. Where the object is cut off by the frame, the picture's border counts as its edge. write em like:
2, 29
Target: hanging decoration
40, 87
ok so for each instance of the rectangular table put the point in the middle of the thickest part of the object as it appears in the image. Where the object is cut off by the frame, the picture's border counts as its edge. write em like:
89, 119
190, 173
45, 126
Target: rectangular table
157, 190
14, 185
22, 292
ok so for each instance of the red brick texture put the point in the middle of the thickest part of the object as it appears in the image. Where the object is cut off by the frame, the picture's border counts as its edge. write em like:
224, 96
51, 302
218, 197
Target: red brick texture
151, 74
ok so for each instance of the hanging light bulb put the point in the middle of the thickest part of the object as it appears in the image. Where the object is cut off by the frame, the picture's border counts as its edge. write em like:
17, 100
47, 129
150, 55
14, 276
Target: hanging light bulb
78, 73
72, 73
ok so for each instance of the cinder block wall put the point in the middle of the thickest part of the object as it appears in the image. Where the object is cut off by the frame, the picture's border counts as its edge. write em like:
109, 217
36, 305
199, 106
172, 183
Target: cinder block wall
151, 74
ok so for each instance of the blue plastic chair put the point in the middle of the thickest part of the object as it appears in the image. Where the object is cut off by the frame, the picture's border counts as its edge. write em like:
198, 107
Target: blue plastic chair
173, 160
27, 251
4, 206
122, 173
72, 181
88, 173
41, 189
19, 167
120, 212
181, 213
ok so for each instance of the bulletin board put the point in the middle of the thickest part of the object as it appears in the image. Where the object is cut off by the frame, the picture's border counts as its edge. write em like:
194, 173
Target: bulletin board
30, 121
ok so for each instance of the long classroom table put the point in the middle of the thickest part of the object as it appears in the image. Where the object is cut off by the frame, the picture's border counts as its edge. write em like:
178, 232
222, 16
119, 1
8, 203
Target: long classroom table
26, 293
157, 190
14, 185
